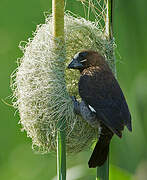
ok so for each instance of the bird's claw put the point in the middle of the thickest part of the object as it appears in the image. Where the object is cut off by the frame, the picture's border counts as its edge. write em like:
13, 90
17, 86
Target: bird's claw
76, 105
73, 98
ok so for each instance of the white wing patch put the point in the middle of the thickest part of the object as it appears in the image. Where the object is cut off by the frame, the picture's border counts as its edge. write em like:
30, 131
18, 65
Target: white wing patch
91, 108
83, 60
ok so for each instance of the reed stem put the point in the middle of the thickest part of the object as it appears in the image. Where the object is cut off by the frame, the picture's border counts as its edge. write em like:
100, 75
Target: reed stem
103, 171
58, 33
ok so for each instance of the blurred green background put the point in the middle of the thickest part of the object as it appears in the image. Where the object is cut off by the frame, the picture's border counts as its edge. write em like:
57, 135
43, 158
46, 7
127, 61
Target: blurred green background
128, 155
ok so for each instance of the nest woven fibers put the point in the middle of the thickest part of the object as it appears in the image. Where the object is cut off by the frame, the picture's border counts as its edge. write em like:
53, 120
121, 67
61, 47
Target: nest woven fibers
42, 86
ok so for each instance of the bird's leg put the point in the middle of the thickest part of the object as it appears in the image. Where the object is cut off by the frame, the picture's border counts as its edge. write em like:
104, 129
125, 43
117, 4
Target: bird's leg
83, 110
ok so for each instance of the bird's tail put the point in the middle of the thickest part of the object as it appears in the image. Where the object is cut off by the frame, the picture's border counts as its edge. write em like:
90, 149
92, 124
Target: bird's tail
101, 149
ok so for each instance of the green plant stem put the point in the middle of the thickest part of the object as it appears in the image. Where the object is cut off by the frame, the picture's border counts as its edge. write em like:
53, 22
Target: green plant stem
61, 155
58, 33
109, 19
58, 18
103, 171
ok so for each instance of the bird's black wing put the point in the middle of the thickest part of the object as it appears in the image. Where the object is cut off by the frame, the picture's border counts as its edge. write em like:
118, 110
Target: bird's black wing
102, 92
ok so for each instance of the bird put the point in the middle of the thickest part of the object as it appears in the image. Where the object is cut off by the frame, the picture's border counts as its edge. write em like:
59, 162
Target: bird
102, 103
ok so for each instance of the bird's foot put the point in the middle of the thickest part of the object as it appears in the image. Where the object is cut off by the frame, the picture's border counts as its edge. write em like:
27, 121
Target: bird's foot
76, 105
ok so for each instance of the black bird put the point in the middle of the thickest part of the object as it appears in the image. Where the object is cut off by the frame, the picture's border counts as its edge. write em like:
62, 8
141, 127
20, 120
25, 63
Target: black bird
103, 104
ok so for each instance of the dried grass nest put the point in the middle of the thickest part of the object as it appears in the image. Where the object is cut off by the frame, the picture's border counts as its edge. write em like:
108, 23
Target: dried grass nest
42, 86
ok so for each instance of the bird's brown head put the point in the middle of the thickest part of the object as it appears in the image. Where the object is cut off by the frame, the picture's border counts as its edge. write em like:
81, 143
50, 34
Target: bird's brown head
87, 58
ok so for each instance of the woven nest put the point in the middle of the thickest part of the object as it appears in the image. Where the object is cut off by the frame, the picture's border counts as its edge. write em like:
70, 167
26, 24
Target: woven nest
42, 86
